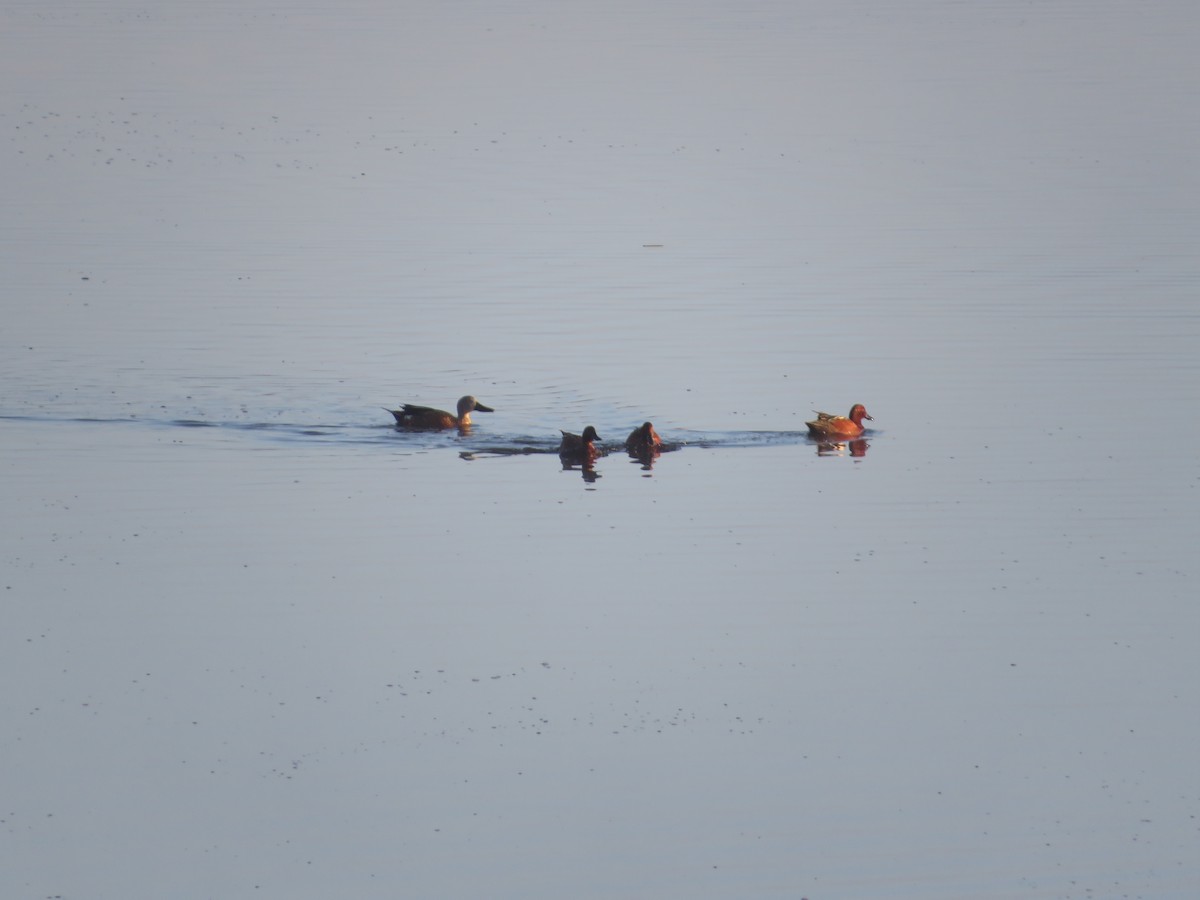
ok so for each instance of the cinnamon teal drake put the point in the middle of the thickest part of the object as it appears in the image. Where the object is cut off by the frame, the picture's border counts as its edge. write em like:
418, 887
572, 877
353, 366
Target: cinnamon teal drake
643, 439
827, 425
579, 446
426, 417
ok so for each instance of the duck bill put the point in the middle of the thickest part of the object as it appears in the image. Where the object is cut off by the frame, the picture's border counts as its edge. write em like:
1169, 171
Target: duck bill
479, 407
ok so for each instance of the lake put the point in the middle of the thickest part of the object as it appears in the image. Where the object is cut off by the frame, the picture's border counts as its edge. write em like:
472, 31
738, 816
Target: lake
260, 642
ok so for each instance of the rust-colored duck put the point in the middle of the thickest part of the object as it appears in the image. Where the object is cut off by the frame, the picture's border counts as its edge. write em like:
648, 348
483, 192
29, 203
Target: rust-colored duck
826, 425
576, 446
643, 439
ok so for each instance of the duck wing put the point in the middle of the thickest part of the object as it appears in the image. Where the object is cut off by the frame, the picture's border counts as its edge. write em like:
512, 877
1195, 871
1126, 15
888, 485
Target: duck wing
411, 409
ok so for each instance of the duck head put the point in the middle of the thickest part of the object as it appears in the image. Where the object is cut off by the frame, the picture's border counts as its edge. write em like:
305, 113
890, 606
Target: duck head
858, 412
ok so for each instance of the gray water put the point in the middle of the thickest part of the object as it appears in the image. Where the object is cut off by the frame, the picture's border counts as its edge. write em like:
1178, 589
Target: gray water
257, 642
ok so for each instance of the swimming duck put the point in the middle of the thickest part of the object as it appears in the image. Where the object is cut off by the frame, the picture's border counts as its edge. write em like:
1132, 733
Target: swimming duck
831, 426
427, 417
574, 445
643, 439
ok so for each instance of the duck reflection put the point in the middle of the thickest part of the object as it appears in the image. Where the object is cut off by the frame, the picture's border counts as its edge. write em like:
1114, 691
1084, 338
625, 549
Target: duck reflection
645, 458
854, 448
586, 468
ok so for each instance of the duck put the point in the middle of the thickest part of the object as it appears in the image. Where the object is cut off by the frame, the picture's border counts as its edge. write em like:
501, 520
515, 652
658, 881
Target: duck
580, 446
827, 425
426, 417
643, 439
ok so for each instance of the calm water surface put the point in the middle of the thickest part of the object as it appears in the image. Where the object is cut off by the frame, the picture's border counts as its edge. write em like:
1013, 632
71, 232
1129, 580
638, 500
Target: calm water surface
257, 642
